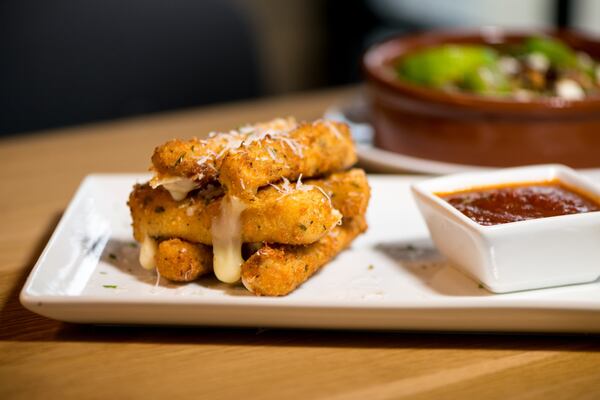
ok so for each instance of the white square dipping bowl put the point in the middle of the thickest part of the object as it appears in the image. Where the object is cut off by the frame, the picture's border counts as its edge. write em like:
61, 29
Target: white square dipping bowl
521, 255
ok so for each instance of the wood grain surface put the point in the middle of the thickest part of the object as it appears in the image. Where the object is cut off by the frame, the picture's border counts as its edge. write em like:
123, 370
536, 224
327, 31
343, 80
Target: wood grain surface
41, 358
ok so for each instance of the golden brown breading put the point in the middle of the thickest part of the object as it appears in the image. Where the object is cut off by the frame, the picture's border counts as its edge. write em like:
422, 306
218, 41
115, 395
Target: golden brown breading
300, 217
199, 160
179, 158
181, 261
310, 150
349, 191
272, 216
276, 270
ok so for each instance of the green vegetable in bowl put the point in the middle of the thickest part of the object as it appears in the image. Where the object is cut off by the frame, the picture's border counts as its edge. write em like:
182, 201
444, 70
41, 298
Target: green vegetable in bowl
556, 51
532, 68
441, 66
486, 80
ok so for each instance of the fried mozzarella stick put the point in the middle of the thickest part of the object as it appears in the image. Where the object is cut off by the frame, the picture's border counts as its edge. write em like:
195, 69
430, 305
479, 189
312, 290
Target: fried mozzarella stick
300, 217
176, 166
276, 270
184, 165
286, 213
309, 150
182, 261
271, 271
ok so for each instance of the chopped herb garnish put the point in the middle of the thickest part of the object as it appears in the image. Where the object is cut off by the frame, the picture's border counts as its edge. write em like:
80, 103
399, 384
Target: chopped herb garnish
159, 209
109, 286
112, 256
179, 159
371, 266
102, 273
133, 244
302, 226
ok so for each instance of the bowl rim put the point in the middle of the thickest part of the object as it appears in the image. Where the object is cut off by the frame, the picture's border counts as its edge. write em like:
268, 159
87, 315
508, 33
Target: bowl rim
376, 59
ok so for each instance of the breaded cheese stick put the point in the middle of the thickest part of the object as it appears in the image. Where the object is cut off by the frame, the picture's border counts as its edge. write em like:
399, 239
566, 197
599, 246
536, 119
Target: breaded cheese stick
349, 191
156, 214
309, 150
276, 270
184, 165
297, 217
175, 164
182, 261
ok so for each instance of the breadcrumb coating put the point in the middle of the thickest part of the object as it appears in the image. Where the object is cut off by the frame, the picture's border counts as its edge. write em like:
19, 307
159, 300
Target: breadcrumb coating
181, 261
276, 270
200, 159
312, 149
290, 217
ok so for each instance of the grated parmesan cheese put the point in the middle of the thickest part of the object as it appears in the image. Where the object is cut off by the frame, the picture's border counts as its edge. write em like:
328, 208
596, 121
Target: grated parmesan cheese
271, 153
190, 211
286, 188
334, 129
292, 144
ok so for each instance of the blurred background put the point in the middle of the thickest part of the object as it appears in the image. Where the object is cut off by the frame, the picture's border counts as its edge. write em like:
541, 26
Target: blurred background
70, 62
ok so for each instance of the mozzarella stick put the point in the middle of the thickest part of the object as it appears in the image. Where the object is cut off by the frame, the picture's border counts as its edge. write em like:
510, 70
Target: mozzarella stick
280, 213
311, 149
181, 261
184, 165
176, 166
297, 217
276, 270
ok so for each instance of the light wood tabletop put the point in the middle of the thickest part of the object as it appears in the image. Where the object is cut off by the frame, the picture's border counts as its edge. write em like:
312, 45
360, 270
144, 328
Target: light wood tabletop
42, 358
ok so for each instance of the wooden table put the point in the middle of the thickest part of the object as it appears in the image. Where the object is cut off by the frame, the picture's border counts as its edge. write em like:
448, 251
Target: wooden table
41, 358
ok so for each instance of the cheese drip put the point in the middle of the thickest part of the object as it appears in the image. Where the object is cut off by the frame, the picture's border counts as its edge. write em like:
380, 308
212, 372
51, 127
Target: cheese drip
177, 187
148, 253
227, 240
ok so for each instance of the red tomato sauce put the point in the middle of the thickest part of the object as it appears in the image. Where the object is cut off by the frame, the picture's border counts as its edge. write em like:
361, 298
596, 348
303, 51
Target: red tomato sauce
519, 202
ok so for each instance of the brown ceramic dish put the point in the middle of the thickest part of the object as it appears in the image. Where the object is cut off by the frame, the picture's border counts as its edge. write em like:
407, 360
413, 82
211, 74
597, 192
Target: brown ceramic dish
476, 130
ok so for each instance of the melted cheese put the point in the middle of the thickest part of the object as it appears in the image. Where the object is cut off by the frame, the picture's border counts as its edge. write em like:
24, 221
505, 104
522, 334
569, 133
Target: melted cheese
148, 253
227, 240
178, 187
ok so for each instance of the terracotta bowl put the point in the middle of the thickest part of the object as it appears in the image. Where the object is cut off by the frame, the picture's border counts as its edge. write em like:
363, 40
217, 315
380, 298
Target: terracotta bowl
475, 130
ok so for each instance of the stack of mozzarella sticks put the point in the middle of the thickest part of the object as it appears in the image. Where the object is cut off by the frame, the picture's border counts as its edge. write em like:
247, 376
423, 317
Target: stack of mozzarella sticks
267, 204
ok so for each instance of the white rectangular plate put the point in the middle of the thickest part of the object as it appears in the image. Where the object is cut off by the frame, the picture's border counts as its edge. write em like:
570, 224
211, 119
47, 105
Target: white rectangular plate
391, 278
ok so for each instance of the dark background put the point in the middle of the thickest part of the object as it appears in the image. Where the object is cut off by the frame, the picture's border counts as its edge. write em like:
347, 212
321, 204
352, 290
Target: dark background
69, 62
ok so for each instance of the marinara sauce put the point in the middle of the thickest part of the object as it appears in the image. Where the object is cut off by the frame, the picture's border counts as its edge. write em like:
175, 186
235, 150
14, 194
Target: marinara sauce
501, 204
